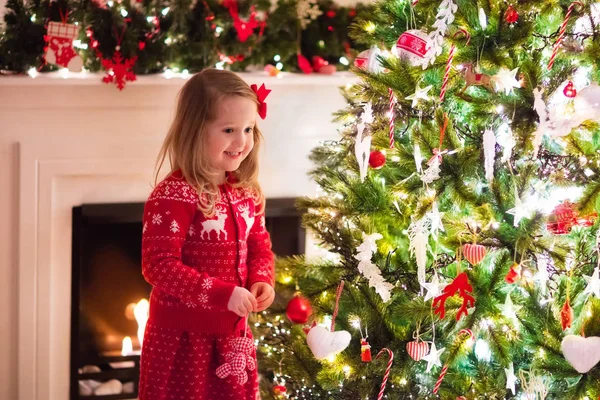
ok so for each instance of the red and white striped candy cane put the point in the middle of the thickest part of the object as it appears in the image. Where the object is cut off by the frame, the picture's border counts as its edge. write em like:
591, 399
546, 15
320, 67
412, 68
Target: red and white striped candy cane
387, 370
449, 62
436, 388
438, 383
392, 116
561, 33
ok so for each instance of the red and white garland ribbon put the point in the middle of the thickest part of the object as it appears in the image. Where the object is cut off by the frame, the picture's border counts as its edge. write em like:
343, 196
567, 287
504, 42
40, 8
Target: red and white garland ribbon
337, 304
392, 116
449, 62
438, 383
563, 28
387, 370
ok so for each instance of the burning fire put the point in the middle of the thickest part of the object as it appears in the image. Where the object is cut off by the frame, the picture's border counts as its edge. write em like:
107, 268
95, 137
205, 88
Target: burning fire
140, 312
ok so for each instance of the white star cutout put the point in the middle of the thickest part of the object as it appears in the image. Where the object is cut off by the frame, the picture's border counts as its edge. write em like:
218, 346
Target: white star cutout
593, 281
420, 94
434, 288
506, 81
511, 379
519, 211
433, 358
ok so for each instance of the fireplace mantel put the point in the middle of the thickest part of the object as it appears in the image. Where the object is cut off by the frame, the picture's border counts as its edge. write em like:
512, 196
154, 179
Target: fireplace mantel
74, 141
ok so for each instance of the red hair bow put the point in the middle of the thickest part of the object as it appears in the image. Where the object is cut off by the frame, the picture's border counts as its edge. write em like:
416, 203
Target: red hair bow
262, 94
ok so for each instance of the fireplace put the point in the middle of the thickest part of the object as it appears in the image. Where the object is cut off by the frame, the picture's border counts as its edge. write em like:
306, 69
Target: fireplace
107, 285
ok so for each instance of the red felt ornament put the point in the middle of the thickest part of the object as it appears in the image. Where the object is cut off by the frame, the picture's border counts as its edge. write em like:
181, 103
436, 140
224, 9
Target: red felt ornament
304, 64
511, 15
119, 69
59, 49
417, 349
459, 285
376, 159
569, 90
514, 273
566, 315
298, 310
474, 253
365, 351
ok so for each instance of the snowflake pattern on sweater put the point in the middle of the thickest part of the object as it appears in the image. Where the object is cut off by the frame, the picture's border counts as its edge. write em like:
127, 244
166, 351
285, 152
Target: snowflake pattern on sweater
194, 262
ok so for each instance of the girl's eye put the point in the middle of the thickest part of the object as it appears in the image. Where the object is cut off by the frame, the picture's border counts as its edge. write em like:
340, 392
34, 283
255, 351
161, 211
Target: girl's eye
248, 130
228, 130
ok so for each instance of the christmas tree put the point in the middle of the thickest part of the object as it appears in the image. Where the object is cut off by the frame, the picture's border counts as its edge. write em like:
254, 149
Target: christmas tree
457, 215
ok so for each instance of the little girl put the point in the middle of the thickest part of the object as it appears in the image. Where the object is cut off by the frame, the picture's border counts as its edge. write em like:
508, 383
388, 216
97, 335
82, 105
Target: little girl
205, 249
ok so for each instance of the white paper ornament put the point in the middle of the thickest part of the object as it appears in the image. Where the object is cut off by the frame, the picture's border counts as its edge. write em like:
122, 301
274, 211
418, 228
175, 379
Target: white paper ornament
323, 343
368, 60
418, 158
489, 152
582, 353
418, 233
540, 107
444, 18
369, 270
412, 46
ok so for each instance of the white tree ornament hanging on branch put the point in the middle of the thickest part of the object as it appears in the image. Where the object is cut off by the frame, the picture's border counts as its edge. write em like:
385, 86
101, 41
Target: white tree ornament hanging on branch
369, 270
444, 18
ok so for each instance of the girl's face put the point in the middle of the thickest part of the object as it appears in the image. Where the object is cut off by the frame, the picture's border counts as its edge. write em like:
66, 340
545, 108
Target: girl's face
230, 136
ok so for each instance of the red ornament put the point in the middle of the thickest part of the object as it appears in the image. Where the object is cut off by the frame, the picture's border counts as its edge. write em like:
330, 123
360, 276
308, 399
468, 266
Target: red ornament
331, 13
141, 45
304, 64
376, 159
352, 13
320, 65
119, 69
474, 253
511, 15
365, 351
417, 349
459, 285
566, 316
298, 310
569, 90
565, 216
514, 273
59, 50
279, 389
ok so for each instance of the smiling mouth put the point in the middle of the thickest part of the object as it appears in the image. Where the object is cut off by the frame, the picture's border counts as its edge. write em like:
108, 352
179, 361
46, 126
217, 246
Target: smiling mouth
233, 153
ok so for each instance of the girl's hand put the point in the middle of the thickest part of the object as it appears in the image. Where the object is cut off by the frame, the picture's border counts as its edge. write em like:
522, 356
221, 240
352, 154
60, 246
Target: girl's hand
241, 302
264, 294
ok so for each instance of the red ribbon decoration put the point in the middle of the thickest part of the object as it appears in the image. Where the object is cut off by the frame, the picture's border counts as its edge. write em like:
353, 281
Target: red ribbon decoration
437, 152
261, 94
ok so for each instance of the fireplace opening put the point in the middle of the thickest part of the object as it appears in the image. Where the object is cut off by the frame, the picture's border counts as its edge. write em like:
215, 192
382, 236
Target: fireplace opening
109, 294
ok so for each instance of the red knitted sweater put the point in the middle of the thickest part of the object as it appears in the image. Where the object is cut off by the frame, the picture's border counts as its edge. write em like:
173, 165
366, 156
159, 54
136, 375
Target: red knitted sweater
194, 262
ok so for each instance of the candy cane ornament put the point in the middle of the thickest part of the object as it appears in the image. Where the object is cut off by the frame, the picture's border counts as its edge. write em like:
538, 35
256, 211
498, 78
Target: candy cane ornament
563, 29
392, 116
387, 370
449, 62
438, 383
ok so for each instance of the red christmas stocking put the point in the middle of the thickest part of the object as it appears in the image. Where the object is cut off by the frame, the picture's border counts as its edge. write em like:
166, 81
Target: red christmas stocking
59, 50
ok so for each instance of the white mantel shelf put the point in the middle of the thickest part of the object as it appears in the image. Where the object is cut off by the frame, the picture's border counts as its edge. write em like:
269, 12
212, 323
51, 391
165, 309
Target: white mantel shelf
65, 142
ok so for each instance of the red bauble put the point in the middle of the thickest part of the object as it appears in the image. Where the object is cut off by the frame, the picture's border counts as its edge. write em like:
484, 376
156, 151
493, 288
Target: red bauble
141, 45
304, 64
514, 273
331, 13
376, 159
298, 310
569, 90
511, 15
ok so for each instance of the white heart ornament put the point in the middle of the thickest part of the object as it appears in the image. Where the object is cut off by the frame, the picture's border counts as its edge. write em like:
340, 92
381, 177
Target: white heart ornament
323, 343
582, 353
